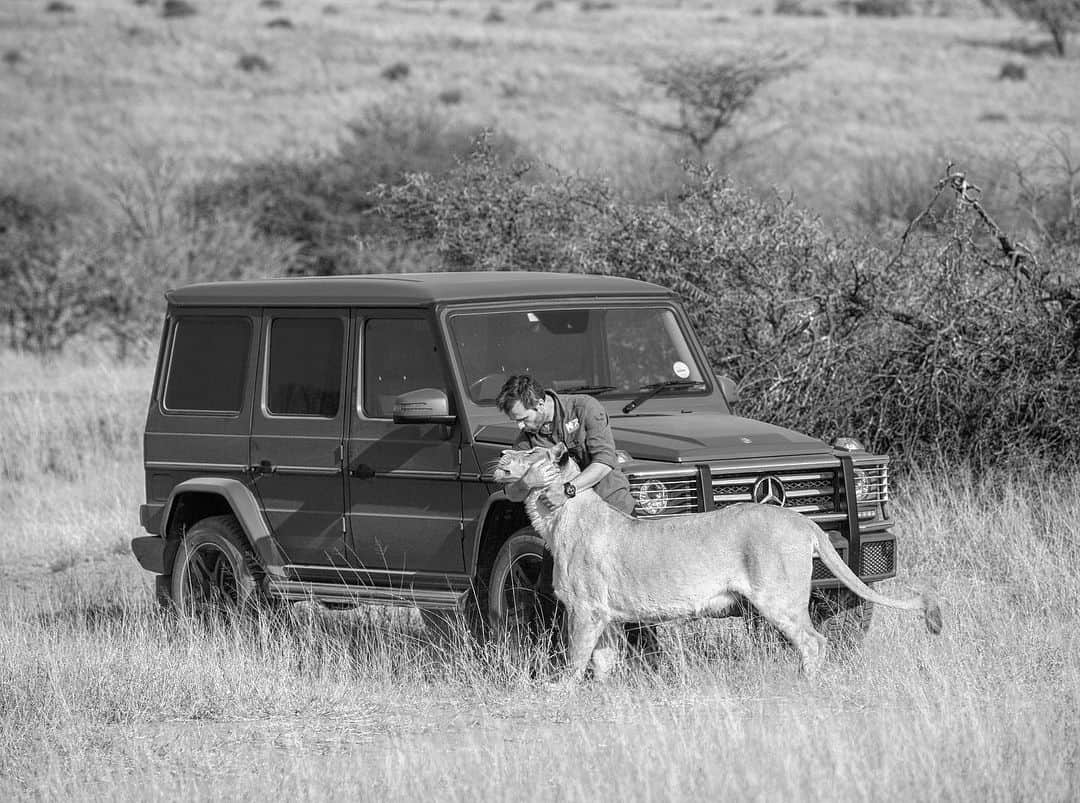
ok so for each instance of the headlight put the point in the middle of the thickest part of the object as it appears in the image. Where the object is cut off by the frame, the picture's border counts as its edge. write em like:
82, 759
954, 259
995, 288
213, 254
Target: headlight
653, 498
848, 445
864, 486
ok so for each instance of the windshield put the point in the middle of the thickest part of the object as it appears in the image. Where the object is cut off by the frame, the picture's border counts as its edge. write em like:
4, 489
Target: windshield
607, 351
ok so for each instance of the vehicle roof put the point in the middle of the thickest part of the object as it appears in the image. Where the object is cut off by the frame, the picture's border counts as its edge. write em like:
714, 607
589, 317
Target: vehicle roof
407, 289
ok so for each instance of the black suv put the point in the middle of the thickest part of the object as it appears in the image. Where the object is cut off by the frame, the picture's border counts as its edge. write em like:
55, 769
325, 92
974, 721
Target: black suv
332, 438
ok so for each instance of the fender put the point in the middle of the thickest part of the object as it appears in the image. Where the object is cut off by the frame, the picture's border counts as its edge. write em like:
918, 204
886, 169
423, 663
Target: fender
499, 497
246, 510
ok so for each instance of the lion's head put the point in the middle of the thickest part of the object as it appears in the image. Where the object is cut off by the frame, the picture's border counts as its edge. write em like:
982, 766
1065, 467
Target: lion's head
513, 465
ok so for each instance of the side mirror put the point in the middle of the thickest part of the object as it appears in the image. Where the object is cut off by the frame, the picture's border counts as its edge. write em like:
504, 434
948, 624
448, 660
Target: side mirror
423, 406
730, 388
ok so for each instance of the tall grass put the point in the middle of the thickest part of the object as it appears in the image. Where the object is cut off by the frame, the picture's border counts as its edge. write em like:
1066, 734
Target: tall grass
102, 696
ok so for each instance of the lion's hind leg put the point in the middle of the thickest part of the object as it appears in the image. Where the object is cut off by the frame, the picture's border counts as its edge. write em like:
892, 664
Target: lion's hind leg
794, 623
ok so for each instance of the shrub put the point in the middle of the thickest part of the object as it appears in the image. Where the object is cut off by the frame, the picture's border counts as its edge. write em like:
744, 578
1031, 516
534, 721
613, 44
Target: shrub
451, 97
326, 204
882, 8
907, 348
59, 7
494, 16
797, 8
176, 9
397, 71
284, 23
1012, 71
252, 62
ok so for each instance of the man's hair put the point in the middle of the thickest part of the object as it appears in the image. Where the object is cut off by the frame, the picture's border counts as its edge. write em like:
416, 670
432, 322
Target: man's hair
520, 388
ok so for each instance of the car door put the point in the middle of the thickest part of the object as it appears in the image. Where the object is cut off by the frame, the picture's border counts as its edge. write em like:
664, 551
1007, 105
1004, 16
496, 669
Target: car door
404, 490
297, 432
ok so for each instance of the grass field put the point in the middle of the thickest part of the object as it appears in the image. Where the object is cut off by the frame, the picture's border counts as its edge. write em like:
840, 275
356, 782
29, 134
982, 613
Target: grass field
103, 698
88, 89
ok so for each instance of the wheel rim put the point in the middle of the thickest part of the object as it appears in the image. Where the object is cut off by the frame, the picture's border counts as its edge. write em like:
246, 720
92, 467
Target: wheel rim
527, 610
210, 582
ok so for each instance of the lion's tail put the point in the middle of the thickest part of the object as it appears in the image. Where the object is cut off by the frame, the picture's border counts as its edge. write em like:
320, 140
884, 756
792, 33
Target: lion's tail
831, 558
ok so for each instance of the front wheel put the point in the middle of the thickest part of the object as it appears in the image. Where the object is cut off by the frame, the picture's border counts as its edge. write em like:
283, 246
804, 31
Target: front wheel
213, 571
521, 603
840, 615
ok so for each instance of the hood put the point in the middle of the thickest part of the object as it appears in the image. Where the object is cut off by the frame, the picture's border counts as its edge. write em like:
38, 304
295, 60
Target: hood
691, 437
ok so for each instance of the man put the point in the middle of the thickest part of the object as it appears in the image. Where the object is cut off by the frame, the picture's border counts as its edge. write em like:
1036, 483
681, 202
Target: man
544, 418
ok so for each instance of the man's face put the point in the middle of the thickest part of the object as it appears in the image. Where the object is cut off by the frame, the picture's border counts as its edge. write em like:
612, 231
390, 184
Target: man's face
526, 418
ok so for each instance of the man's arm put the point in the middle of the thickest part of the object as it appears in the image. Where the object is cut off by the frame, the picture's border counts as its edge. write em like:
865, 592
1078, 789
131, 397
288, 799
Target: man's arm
600, 444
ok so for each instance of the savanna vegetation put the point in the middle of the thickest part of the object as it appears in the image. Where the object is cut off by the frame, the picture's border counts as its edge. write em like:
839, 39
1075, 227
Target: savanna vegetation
870, 210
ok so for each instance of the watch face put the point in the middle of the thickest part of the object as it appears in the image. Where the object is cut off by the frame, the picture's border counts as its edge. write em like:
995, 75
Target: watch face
570, 490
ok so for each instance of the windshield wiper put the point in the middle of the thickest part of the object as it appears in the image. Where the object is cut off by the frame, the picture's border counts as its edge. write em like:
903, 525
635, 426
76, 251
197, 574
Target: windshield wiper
592, 390
659, 387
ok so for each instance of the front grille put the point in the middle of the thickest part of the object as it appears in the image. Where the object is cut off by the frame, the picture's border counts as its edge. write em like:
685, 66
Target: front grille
821, 572
879, 557
807, 492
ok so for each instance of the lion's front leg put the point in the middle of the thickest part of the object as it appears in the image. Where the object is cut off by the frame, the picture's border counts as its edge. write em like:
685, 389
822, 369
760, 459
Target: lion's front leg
585, 630
606, 654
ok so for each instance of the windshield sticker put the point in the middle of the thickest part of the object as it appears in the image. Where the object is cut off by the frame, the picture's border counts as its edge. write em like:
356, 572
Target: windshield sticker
681, 369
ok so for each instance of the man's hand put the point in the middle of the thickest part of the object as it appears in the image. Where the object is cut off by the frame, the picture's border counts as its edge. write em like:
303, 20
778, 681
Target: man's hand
540, 475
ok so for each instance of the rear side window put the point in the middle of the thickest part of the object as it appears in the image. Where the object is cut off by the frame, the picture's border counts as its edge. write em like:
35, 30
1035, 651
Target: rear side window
304, 376
208, 365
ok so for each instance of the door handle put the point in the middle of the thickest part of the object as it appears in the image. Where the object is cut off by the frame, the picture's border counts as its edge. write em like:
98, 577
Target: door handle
362, 472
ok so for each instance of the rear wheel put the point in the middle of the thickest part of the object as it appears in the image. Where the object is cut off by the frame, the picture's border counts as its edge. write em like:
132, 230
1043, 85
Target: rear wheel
840, 615
214, 571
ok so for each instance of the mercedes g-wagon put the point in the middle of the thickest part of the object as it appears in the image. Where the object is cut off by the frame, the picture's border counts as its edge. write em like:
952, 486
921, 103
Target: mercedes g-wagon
331, 439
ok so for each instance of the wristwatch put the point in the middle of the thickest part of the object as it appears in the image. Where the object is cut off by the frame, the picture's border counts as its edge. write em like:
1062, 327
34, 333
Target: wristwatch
569, 490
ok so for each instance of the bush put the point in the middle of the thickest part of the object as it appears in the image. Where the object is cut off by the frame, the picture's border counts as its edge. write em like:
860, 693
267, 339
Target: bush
176, 9
396, 71
252, 62
882, 8
326, 205
944, 346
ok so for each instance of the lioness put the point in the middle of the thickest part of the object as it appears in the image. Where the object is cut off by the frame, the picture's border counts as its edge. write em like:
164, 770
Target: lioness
610, 567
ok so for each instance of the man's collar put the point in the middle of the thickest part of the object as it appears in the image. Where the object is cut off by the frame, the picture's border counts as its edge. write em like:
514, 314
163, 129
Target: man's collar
555, 424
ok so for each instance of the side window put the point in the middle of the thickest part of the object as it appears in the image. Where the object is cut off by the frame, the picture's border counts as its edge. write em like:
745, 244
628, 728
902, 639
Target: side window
208, 365
304, 367
399, 355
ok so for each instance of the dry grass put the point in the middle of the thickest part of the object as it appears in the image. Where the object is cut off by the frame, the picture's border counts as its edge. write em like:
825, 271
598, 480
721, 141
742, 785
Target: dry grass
101, 697
89, 84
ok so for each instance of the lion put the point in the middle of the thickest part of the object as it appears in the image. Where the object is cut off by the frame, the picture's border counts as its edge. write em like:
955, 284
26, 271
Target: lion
610, 567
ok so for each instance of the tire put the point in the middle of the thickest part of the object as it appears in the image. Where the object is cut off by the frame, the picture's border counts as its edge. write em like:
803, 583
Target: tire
448, 628
842, 616
521, 603
214, 572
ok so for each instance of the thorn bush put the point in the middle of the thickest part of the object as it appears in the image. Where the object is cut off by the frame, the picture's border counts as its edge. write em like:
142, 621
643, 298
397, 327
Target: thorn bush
177, 9
943, 346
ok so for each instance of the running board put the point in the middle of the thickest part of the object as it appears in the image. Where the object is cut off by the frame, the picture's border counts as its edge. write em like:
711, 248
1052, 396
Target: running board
340, 594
